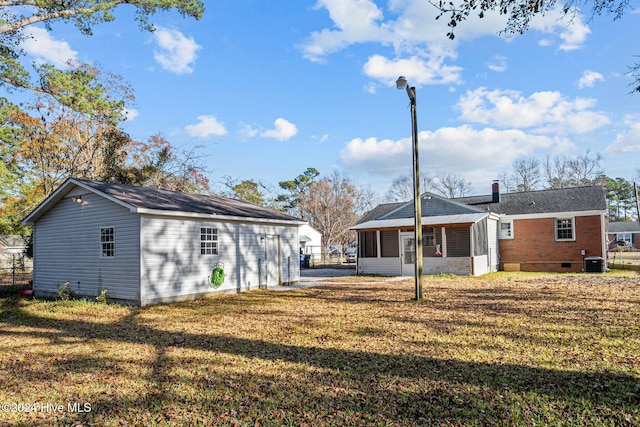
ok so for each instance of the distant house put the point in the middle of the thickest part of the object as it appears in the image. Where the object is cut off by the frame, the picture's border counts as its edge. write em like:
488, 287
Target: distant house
12, 252
549, 230
310, 241
623, 235
148, 246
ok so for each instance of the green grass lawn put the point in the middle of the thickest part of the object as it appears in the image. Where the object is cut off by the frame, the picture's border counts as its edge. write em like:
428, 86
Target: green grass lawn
507, 349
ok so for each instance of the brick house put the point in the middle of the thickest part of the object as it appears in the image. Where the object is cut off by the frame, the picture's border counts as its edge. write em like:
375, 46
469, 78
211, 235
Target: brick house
623, 235
549, 230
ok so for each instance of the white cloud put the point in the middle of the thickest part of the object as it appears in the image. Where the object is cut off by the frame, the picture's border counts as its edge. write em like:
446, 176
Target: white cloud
419, 40
418, 71
176, 52
542, 112
355, 21
44, 48
458, 149
589, 79
283, 130
498, 64
248, 131
207, 126
571, 30
130, 114
629, 140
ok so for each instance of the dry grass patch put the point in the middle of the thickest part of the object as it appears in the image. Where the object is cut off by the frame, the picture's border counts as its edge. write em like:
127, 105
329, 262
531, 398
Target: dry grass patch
506, 349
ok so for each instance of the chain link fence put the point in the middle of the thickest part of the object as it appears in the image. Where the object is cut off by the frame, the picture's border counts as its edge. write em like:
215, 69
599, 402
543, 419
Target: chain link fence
15, 272
329, 256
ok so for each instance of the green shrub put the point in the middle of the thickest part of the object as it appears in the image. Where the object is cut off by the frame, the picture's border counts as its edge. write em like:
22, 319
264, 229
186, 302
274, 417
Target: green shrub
102, 298
64, 291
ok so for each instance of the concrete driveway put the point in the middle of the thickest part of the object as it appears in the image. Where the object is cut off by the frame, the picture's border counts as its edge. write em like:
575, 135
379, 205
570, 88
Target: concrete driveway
310, 277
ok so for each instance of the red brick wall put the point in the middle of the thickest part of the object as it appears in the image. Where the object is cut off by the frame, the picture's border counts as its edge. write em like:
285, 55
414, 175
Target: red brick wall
535, 248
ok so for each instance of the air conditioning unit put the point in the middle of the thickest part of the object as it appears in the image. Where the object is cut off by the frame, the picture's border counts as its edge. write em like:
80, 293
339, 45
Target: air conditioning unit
594, 265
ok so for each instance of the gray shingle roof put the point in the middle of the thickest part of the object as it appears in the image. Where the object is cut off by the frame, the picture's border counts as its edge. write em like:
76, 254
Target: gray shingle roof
623, 227
432, 205
175, 201
574, 199
379, 211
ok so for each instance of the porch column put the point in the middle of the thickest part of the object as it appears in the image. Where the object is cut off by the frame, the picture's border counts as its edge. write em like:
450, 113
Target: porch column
444, 242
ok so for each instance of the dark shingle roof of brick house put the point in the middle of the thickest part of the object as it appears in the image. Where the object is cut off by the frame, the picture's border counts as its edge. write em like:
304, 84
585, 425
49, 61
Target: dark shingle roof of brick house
574, 199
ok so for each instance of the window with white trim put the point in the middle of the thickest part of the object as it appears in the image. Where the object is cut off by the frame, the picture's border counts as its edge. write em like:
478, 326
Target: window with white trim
107, 242
208, 241
505, 229
624, 237
564, 229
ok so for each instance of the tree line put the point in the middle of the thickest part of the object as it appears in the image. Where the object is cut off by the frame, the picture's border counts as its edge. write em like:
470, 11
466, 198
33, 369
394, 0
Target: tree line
60, 122
331, 204
532, 173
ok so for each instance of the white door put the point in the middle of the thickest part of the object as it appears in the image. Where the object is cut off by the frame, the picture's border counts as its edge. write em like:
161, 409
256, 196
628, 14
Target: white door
273, 261
408, 254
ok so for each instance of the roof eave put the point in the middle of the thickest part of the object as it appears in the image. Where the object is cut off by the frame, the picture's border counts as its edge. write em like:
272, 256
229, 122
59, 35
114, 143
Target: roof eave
59, 194
217, 217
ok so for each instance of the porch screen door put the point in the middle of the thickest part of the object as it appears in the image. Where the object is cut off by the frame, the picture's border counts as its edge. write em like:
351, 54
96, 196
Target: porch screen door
408, 255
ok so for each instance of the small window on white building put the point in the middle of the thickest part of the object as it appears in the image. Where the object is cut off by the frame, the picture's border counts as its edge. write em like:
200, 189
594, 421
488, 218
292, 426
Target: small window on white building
564, 229
506, 229
208, 241
107, 242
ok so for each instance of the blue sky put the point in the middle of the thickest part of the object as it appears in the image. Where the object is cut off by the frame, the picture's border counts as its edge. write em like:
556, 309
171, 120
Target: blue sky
267, 89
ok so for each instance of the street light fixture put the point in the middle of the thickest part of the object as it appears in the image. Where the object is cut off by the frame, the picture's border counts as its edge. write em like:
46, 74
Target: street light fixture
401, 83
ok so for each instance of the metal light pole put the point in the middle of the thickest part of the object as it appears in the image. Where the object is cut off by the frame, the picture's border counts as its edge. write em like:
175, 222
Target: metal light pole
401, 83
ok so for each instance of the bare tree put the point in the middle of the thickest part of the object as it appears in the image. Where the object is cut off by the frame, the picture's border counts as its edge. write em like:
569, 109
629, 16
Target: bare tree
576, 171
526, 171
585, 169
509, 184
332, 205
450, 185
557, 172
401, 189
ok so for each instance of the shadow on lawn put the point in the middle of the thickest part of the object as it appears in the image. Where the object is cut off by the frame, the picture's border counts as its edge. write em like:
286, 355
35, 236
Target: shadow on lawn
382, 388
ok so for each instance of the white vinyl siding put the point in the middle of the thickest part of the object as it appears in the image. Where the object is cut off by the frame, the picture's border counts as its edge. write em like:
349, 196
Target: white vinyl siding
68, 248
173, 267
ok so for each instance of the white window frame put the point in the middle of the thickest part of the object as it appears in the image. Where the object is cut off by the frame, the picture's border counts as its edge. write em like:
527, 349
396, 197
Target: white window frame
505, 234
108, 246
209, 241
559, 229
625, 237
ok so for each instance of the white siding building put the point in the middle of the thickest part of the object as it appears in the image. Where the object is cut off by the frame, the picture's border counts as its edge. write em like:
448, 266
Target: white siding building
147, 246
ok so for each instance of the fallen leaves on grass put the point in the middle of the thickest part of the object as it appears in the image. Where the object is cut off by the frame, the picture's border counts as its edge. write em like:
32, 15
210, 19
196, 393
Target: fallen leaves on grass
507, 349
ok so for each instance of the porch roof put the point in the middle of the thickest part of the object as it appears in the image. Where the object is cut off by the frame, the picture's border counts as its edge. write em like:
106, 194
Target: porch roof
441, 220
